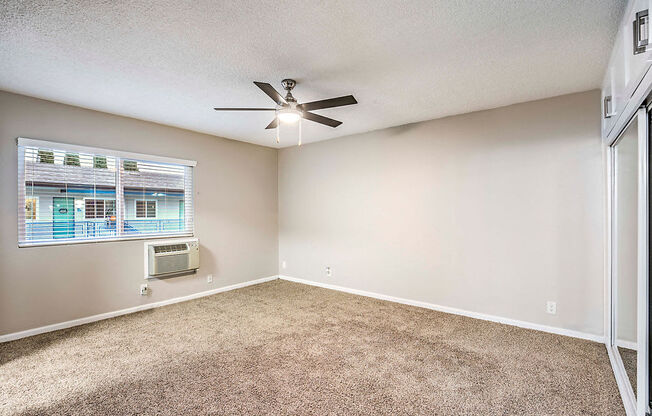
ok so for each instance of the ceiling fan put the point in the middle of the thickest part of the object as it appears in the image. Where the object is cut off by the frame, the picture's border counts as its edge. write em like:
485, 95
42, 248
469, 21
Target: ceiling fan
289, 111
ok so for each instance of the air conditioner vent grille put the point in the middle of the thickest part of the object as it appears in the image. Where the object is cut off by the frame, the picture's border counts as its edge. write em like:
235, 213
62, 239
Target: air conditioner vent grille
171, 248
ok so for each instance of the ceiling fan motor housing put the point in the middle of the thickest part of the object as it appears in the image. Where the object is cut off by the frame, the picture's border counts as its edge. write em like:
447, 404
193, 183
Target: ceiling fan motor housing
288, 84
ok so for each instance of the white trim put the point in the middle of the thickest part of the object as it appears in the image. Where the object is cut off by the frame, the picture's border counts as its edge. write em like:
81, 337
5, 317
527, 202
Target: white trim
636, 98
68, 242
455, 311
23, 141
107, 315
618, 368
608, 315
642, 369
431, 306
622, 380
630, 345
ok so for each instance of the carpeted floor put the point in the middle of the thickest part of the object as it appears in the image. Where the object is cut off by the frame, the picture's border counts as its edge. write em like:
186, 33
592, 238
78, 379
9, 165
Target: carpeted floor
629, 361
286, 348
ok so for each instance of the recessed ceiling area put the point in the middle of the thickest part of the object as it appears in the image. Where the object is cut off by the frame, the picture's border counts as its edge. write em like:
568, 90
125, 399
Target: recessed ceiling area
171, 62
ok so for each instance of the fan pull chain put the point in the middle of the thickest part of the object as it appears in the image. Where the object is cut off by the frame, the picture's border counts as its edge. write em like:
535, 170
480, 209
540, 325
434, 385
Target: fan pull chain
300, 120
278, 134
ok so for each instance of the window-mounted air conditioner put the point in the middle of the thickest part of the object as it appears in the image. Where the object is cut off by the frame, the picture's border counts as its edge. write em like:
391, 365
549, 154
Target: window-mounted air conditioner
171, 257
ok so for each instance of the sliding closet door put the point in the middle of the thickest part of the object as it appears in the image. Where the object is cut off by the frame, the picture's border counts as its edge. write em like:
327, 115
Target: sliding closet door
625, 254
628, 332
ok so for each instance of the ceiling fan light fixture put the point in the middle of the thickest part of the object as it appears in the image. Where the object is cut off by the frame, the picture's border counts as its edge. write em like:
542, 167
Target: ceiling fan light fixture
288, 115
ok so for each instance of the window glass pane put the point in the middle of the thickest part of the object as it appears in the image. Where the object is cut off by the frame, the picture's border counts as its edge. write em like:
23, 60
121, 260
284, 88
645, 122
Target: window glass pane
65, 195
153, 194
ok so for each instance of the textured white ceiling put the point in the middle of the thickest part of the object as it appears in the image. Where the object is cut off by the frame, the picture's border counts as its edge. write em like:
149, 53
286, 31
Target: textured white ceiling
171, 61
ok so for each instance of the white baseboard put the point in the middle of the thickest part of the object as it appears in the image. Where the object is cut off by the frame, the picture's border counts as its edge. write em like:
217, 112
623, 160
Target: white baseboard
622, 381
446, 309
99, 317
455, 311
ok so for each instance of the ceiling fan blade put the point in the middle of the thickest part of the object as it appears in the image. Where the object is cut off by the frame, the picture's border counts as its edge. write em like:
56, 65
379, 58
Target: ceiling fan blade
273, 124
271, 92
331, 102
321, 119
243, 109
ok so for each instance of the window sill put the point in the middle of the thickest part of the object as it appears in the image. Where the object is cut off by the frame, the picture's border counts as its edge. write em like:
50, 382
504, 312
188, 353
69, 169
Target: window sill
103, 240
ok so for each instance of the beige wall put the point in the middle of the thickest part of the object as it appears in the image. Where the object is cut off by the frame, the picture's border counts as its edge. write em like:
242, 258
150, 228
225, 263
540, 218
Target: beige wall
235, 210
493, 212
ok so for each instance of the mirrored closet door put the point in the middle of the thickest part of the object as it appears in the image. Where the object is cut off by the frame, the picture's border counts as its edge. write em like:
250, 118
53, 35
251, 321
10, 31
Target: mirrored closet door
628, 329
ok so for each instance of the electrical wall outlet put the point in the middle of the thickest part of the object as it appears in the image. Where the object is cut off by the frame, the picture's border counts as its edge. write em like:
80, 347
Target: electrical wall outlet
551, 307
209, 278
329, 273
283, 264
144, 289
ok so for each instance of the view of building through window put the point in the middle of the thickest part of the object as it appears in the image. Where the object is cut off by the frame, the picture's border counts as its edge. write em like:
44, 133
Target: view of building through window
31, 207
99, 208
72, 196
145, 208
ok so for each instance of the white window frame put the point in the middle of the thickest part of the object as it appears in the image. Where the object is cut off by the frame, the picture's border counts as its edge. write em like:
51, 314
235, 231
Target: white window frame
146, 201
119, 156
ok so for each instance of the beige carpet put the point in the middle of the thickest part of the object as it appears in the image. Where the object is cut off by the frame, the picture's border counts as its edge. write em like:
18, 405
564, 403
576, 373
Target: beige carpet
629, 362
286, 348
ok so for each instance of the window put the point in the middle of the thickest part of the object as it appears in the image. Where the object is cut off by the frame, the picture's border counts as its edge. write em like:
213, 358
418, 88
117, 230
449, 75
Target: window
71, 193
145, 209
99, 208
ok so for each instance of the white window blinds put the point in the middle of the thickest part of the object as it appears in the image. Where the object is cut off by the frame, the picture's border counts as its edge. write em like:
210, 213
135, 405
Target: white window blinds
69, 193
